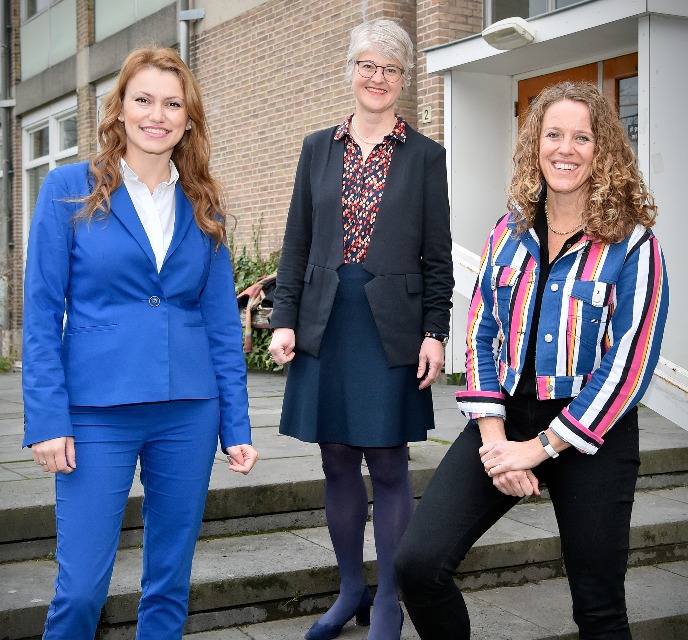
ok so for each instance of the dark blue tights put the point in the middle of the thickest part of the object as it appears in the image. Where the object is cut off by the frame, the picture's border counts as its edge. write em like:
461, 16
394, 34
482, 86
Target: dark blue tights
346, 509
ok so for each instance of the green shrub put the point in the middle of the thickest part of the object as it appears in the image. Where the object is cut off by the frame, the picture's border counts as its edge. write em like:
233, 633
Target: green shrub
248, 268
456, 379
259, 358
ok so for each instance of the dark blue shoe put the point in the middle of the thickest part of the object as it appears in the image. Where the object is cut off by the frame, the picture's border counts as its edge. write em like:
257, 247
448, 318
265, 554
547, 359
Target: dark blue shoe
329, 631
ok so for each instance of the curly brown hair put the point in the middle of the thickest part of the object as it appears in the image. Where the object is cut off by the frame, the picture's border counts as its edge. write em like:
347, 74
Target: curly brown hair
618, 198
191, 154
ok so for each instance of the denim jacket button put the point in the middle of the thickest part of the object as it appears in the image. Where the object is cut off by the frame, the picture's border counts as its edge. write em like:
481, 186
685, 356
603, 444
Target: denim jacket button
548, 337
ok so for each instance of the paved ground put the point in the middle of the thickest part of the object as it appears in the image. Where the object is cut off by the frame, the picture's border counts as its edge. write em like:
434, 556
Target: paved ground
265, 392
284, 453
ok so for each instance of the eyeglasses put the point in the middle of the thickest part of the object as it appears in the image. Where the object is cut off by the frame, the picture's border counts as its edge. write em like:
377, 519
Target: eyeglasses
367, 68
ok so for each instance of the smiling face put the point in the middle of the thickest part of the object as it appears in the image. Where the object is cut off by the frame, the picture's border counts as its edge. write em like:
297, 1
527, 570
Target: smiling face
567, 147
154, 115
376, 94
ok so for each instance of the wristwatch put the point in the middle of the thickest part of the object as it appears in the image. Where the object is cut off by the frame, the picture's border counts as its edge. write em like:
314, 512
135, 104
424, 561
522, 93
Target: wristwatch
442, 337
548, 447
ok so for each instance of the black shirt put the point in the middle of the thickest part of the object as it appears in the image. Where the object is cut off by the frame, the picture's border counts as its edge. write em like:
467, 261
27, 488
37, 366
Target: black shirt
527, 383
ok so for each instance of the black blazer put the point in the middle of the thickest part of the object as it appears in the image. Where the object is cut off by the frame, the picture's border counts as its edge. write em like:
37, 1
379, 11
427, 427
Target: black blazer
409, 252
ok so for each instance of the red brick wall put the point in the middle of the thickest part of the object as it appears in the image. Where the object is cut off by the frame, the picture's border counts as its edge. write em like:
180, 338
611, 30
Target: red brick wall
15, 257
269, 77
86, 95
276, 73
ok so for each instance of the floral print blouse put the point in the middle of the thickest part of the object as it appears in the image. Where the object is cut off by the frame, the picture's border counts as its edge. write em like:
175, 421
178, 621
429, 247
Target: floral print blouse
363, 185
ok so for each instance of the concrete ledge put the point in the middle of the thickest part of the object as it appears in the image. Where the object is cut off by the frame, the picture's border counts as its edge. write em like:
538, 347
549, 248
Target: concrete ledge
517, 613
277, 574
271, 503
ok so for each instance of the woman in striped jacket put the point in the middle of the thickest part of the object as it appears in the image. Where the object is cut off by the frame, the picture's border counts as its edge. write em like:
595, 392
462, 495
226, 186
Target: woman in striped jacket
564, 332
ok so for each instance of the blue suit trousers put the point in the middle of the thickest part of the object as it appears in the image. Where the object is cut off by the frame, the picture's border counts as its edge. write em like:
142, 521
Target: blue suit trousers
175, 443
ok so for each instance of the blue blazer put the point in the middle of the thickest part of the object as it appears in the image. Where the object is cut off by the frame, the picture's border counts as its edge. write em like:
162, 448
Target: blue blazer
130, 334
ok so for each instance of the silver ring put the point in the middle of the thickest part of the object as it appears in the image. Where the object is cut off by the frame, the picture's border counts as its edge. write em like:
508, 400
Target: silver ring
42, 462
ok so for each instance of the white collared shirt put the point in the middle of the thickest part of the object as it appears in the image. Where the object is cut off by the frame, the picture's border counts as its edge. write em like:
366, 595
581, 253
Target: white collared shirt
155, 210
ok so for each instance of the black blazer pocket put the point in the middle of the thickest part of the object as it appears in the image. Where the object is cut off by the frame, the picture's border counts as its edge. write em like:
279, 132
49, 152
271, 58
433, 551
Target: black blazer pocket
414, 282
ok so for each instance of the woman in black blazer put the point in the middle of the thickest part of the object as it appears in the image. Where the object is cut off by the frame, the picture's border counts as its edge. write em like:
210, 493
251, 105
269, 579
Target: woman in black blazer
361, 311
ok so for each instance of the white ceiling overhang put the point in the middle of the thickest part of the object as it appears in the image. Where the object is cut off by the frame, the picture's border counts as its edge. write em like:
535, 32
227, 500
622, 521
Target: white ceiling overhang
587, 30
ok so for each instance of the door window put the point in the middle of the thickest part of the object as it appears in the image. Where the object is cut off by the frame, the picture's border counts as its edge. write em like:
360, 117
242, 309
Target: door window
499, 9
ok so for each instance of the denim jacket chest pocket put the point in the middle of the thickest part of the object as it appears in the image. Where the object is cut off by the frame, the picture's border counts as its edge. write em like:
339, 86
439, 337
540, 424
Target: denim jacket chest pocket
589, 309
510, 288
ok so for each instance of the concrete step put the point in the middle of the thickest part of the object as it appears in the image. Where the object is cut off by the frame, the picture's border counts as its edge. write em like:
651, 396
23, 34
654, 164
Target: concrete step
240, 580
264, 501
266, 556
535, 611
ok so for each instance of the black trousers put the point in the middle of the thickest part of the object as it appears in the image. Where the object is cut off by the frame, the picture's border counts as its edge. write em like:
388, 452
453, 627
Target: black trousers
592, 498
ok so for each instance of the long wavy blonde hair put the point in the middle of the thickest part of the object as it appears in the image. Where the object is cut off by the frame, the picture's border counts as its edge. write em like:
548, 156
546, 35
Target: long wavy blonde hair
618, 198
191, 154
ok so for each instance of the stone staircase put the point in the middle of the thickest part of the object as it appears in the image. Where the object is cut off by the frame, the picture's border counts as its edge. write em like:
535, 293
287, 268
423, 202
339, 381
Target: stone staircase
264, 567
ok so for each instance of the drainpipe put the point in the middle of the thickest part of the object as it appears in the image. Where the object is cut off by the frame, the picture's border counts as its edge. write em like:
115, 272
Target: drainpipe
186, 15
6, 242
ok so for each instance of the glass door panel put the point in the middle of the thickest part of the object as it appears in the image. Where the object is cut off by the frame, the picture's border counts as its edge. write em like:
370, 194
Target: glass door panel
620, 87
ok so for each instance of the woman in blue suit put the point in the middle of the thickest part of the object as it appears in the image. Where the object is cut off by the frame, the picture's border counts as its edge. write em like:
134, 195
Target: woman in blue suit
132, 346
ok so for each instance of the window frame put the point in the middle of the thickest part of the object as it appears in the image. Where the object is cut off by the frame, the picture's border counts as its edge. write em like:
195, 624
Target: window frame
550, 6
51, 116
25, 17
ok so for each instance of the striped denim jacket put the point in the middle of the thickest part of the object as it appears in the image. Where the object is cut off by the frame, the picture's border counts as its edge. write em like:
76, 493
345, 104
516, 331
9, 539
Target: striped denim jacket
601, 323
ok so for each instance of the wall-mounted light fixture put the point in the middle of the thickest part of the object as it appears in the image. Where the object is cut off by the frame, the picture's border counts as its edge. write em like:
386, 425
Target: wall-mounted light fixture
509, 33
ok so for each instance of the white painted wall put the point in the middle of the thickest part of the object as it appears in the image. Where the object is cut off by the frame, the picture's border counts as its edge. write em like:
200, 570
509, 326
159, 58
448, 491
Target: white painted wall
664, 159
480, 147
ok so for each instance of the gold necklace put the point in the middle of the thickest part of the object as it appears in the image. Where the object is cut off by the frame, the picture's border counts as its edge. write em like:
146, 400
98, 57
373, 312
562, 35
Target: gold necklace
360, 136
560, 233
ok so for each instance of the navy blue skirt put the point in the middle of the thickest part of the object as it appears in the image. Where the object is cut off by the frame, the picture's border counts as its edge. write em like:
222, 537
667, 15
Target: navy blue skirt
348, 394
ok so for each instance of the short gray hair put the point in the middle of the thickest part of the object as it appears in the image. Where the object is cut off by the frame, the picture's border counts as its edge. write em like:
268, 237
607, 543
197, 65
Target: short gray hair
385, 37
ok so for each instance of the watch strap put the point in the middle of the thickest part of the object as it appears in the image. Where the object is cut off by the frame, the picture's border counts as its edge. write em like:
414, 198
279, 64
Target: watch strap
547, 446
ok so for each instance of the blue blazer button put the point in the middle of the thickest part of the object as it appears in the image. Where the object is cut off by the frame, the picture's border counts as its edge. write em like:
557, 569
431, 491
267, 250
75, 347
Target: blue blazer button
154, 301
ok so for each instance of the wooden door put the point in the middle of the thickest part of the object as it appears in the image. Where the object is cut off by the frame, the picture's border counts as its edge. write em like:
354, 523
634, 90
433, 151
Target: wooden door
619, 84
529, 89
